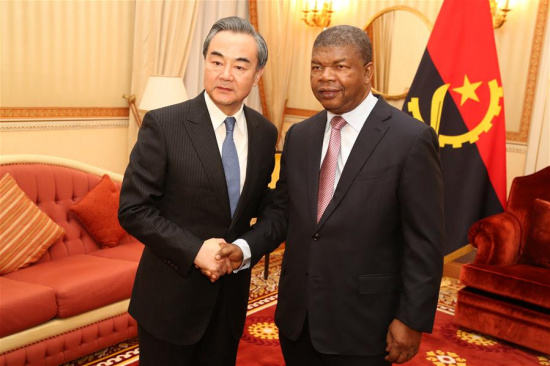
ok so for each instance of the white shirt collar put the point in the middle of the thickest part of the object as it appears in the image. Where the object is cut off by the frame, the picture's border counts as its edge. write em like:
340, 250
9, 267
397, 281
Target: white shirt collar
218, 117
356, 118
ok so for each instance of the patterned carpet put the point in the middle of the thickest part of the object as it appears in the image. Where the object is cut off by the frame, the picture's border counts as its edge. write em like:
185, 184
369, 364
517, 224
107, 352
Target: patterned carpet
446, 346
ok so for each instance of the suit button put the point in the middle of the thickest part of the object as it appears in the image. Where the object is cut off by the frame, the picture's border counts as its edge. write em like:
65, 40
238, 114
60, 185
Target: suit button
307, 274
316, 236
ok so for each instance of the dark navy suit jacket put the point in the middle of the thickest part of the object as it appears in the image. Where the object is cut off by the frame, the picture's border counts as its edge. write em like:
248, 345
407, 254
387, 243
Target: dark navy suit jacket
173, 197
376, 253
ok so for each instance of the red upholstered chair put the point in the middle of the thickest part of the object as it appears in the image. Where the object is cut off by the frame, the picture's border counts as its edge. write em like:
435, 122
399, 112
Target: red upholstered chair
507, 293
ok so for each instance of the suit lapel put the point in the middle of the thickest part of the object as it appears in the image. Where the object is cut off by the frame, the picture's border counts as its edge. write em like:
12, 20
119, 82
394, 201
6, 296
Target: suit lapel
314, 149
203, 137
252, 164
370, 135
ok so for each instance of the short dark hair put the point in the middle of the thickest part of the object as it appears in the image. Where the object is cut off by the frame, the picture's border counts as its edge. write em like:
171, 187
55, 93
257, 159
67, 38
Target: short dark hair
238, 25
346, 35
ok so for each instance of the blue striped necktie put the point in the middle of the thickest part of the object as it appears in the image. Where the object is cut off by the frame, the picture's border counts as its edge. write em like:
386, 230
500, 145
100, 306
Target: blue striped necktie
230, 162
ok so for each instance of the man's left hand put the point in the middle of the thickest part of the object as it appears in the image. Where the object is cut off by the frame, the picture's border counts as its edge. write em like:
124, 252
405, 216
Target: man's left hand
402, 342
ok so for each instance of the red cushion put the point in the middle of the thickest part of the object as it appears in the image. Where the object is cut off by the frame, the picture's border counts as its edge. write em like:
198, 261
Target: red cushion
98, 211
23, 305
537, 246
518, 281
82, 282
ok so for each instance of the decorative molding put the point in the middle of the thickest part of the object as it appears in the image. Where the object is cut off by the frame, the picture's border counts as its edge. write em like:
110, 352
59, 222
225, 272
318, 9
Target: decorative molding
253, 13
299, 112
263, 99
368, 28
534, 63
516, 148
25, 125
61, 112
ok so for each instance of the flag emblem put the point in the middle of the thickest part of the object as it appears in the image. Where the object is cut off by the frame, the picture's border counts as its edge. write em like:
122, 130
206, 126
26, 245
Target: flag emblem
472, 135
458, 91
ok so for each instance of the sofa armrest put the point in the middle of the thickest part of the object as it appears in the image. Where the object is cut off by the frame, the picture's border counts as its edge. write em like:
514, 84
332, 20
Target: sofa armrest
497, 239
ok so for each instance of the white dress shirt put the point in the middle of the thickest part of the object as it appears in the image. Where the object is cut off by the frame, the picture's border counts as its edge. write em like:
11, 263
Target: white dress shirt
355, 120
240, 133
240, 136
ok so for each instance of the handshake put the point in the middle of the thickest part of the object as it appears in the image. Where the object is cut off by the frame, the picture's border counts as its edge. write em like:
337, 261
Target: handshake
217, 258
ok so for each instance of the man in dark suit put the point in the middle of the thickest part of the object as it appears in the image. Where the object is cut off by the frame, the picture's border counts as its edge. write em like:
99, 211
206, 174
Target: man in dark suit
359, 200
199, 170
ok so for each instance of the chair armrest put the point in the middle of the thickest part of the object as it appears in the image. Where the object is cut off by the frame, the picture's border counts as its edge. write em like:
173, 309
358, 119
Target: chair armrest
497, 239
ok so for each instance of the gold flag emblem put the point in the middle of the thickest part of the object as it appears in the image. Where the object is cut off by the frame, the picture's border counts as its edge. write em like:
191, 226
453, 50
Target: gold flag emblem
437, 107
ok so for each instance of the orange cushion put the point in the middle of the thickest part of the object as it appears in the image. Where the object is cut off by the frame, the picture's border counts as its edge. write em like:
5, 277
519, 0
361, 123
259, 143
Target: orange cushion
26, 232
98, 211
537, 246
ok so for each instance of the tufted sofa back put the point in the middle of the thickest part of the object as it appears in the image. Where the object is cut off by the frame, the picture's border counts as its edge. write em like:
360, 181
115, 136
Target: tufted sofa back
55, 188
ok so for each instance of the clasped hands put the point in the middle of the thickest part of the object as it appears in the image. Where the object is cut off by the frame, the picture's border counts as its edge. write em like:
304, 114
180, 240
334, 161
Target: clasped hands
217, 258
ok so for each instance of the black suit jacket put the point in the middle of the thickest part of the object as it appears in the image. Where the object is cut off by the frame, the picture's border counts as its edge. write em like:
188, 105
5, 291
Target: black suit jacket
376, 253
174, 196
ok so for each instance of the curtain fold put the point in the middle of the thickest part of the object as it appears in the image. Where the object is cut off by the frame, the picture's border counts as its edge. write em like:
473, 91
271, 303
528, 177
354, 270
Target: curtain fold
277, 23
382, 47
163, 34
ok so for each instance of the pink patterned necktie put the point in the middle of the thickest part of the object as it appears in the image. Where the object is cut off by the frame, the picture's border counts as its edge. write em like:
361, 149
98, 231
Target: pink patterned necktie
328, 168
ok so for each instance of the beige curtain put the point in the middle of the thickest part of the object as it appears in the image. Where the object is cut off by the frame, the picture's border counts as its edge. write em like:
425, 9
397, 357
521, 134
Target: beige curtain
383, 31
277, 22
162, 40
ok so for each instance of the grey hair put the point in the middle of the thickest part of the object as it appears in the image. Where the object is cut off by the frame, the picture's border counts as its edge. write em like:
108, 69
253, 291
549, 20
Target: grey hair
346, 35
238, 25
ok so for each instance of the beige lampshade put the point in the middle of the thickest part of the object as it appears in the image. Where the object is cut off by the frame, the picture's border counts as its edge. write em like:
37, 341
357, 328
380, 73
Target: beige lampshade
162, 91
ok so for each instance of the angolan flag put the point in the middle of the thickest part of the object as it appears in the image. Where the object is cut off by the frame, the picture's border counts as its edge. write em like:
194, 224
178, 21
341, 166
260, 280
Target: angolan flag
458, 91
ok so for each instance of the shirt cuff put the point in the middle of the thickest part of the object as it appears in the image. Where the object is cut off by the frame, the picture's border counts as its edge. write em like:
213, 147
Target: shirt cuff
241, 243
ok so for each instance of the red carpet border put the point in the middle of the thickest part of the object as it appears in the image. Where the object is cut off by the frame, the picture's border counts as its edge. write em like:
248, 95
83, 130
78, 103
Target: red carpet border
448, 345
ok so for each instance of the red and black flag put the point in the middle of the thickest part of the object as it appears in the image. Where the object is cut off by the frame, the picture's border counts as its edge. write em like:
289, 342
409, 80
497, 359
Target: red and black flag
458, 91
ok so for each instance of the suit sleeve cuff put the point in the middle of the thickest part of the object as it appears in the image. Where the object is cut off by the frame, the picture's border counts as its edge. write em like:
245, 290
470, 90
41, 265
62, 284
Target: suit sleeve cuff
241, 243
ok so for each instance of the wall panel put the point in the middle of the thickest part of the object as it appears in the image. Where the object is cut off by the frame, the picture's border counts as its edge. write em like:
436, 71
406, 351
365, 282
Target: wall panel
65, 53
64, 67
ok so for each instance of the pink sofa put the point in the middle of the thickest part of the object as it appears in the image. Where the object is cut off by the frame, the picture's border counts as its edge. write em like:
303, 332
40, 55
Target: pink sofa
74, 300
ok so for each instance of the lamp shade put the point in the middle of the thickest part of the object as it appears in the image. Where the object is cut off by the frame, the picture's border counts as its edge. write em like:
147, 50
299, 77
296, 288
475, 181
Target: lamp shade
162, 91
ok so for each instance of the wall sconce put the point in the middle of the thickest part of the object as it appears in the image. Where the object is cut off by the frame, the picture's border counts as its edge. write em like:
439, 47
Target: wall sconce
160, 91
499, 10
320, 15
